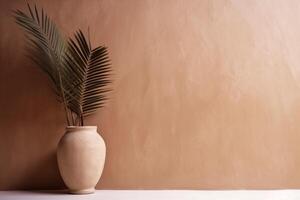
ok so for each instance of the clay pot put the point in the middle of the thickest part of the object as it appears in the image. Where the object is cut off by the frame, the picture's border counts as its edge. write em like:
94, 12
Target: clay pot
81, 156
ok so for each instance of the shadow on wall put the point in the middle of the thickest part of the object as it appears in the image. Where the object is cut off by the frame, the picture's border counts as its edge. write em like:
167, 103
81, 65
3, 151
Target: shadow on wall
31, 125
39, 176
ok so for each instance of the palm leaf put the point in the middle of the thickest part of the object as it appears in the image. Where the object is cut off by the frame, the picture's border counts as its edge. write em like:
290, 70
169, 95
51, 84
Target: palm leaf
80, 74
46, 46
91, 71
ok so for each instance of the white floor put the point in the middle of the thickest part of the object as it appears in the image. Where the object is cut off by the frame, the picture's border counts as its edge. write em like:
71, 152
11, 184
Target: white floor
156, 195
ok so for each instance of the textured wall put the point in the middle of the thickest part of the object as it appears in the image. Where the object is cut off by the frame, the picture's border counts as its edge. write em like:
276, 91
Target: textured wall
206, 95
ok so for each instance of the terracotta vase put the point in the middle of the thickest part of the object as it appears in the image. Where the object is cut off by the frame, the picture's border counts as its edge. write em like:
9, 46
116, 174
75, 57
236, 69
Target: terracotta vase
81, 156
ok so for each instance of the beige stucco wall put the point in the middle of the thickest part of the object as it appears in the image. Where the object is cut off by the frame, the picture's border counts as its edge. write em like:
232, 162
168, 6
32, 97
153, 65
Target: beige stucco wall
206, 95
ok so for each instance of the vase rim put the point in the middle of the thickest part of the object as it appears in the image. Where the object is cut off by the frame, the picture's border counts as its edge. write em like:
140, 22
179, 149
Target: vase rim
81, 128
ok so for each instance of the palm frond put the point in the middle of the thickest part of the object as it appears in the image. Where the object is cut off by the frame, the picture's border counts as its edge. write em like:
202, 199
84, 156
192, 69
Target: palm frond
45, 44
91, 69
80, 74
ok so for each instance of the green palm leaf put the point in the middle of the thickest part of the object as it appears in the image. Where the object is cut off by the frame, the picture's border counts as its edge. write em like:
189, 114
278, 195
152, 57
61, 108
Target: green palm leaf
80, 74
46, 46
91, 71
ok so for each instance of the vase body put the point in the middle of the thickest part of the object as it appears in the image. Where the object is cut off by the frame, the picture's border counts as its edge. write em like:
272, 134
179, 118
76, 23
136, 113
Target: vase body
81, 156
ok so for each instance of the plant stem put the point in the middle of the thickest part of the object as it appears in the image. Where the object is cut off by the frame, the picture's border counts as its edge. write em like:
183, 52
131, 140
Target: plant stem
63, 96
73, 120
81, 115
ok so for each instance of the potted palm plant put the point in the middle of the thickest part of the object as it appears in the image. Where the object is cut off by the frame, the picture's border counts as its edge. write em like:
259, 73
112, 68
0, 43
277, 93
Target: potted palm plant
80, 76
